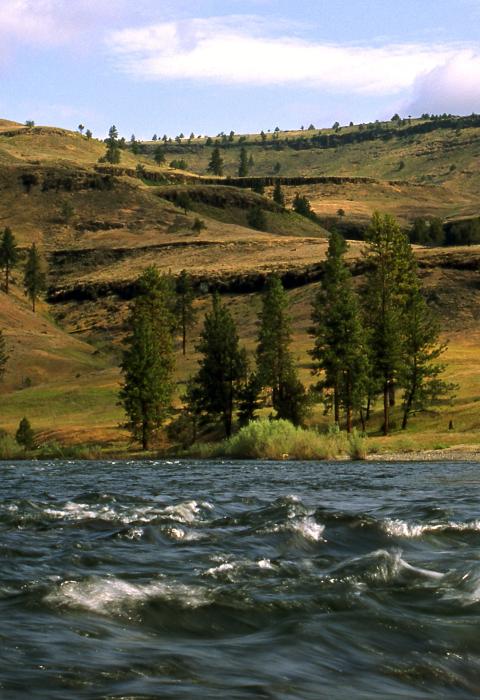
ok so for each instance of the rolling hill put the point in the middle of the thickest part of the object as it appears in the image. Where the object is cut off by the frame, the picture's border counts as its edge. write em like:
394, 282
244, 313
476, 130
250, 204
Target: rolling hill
101, 225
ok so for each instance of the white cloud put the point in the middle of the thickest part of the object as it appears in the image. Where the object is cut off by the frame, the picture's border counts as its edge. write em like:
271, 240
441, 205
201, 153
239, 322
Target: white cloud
50, 22
238, 50
453, 87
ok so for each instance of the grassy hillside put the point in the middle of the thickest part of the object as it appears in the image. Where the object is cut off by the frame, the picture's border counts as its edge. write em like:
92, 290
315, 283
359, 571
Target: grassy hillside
100, 226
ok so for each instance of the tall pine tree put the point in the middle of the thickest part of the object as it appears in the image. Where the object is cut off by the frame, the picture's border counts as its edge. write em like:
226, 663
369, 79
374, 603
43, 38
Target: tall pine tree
391, 273
215, 165
243, 163
420, 375
278, 195
340, 350
148, 359
223, 365
35, 277
8, 254
276, 369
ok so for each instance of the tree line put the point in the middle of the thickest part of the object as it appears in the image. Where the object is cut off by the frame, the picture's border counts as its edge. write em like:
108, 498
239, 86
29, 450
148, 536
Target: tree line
378, 342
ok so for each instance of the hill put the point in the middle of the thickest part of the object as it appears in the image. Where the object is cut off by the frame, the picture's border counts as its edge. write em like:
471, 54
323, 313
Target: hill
100, 225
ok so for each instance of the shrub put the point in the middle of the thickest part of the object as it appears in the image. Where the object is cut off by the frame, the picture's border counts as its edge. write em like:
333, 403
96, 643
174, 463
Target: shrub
25, 435
276, 439
357, 445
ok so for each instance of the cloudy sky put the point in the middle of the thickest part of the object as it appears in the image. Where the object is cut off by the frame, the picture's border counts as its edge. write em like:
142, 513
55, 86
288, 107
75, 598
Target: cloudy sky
167, 66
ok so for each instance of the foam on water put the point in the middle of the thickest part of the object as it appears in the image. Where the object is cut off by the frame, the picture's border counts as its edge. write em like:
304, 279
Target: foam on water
401, 528
113, 595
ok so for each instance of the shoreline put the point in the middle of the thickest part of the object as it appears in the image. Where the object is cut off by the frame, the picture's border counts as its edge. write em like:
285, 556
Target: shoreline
458, 453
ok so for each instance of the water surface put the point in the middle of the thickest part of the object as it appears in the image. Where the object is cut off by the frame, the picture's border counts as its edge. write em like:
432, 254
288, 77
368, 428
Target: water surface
239, 580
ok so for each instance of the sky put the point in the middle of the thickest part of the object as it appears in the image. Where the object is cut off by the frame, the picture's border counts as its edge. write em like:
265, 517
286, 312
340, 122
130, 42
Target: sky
207, 66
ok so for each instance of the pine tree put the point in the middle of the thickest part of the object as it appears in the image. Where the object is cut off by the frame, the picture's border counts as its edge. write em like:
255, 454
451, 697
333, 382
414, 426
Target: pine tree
8, 254
159, 155
274, 361
278, 195
257, 219
340, 350
3, 355
215, 165
35, 278
243, 163
184, 310
148, 360
25, 435
222, 365
420, 374
390, 275
112, 154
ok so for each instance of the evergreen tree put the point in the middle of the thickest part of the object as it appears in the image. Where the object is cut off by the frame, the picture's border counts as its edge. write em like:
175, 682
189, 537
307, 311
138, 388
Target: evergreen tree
148, 359
301, 205
112, 154
184, 310
259, 187
256, 219
243, 163
222, 365
8, 254
198, 225
3, 355
274, 361
183, 201
340, 350
88, 134
25, 435
35, 277
390, 275
249, 401
420, 374
159, 155
278, 195
215, 165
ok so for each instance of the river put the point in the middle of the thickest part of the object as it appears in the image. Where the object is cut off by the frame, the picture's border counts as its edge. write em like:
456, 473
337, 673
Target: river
239, 580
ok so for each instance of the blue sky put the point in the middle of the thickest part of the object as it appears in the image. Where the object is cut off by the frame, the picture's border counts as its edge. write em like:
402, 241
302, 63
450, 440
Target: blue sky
171, 66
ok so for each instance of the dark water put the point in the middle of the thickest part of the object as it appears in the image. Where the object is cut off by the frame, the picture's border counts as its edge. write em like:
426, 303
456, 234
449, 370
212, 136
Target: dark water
246, 580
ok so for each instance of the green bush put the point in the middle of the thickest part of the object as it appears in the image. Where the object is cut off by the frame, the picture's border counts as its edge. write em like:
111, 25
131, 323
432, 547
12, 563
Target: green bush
280, 439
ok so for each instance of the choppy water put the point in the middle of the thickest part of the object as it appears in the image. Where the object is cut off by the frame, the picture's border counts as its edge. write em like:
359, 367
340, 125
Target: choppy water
245, 580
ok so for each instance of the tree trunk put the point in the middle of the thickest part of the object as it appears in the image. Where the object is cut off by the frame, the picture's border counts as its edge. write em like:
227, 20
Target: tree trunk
336, 405
391, 394
7, 272
369, 408
349, 419
145, 435
184, 332
362, 420
33, 304
386, 408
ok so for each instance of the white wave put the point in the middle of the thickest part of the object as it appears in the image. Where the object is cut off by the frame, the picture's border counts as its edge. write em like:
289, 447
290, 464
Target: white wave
134, 533
402, 528
264, 564
177, 533
111, 595
308, 528
188, 511
221, 569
